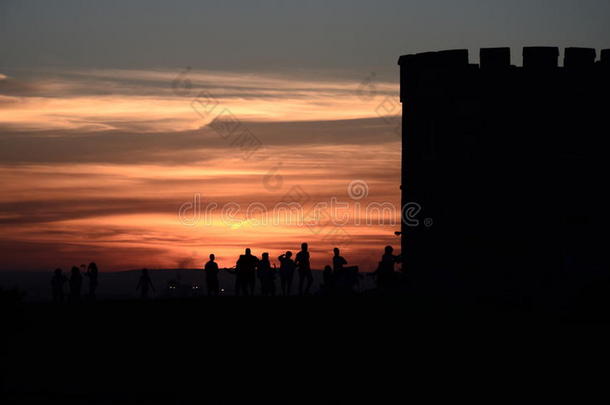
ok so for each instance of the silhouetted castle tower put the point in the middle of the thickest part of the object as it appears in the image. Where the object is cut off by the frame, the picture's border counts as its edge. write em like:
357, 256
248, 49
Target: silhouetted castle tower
511, 165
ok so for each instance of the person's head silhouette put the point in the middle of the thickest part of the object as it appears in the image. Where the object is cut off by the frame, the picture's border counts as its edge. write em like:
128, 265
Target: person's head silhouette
304, 247
265, 256
327, 268
75, 270
92, 266
58, 272
337, 251
248, 252
389, 250
288, 254
212, 257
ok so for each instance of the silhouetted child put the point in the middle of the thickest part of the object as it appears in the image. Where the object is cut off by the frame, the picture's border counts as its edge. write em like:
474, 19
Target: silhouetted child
305, 276
144, 284
266, 276
76, 282
211, 276
57, 285
287, 267
92, 274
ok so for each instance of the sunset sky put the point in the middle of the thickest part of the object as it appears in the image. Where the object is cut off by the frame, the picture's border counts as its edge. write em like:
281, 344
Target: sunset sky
107, 113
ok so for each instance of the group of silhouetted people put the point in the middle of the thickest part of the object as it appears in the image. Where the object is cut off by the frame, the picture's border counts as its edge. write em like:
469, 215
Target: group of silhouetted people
74, 282
248, 268
338, 279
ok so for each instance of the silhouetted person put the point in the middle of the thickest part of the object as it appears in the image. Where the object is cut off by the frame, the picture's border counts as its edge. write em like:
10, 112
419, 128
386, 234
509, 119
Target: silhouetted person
92, 274
345, 278
144, 284
305, 276
266, 275
287, 267
57, 285
385, 272
260, 270
246, 273
211, 276
338, 261
76, 283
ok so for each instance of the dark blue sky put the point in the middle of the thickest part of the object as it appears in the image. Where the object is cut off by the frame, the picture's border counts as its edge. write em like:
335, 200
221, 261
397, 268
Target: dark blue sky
322, 36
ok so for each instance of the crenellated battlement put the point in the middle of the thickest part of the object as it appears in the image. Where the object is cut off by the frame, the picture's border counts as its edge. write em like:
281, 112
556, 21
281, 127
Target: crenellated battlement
455, 64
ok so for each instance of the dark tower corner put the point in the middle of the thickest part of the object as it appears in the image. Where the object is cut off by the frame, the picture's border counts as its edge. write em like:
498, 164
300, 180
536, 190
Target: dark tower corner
510, 164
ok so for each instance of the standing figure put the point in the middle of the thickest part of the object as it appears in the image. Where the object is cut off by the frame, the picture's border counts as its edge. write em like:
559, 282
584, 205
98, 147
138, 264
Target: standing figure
266, 276
246, 273
345, 278
57, 285
144, 284
76, 282
287, 267
211, 276
92, 274
385, 272
305, 276
338, 262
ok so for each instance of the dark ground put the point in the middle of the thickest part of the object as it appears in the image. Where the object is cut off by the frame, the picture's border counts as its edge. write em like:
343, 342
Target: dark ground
121, 285
294, 350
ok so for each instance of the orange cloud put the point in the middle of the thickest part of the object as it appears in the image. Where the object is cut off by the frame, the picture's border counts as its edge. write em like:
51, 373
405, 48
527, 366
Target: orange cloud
100, 162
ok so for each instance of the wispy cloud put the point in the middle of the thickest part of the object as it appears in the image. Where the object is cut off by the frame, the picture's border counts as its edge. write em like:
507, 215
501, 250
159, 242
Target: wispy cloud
95, 164
204, 144
97, 100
